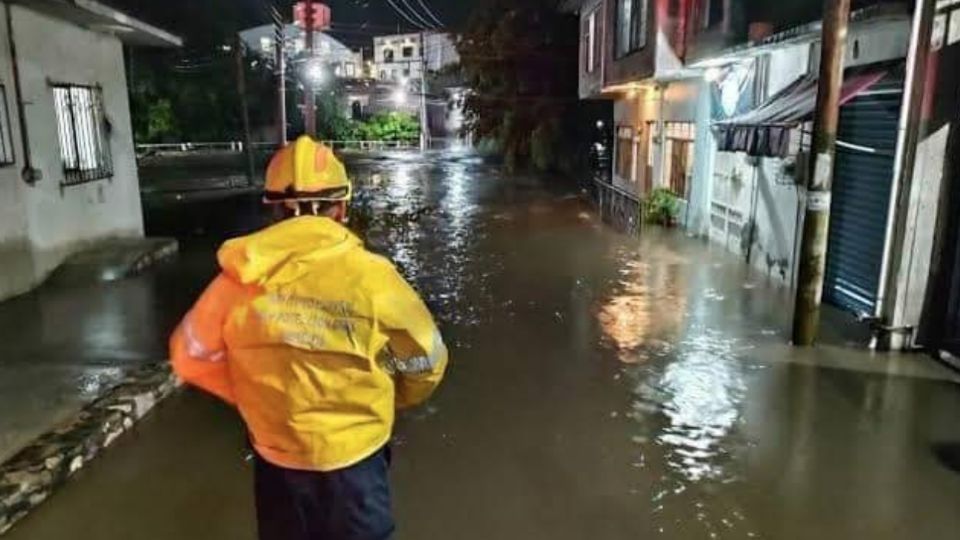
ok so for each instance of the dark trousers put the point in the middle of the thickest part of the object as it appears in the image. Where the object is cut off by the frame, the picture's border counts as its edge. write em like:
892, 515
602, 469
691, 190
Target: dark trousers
349, 504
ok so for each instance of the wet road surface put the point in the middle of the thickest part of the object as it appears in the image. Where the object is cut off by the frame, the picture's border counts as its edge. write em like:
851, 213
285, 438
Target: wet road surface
601, 387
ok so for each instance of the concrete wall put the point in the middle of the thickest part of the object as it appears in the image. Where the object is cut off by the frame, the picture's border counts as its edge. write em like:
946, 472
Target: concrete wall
43, 224
440, 51
755, 203
591, 83
704, 163
16, 256
754, 207
626, 113
636, 66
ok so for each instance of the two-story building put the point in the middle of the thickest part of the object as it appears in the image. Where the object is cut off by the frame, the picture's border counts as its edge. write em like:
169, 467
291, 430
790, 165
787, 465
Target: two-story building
632, 53
342, 61
68, 172
402, 57
723, 119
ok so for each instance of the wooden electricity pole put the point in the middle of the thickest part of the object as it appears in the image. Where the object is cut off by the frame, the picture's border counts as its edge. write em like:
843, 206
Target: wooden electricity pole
816, 225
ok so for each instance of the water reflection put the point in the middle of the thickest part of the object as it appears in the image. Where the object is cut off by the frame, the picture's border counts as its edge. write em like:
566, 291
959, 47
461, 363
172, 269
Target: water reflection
700, 394
422, 215
648, 308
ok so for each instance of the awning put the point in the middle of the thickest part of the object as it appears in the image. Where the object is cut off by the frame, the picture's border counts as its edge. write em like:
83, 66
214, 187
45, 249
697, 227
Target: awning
766, 130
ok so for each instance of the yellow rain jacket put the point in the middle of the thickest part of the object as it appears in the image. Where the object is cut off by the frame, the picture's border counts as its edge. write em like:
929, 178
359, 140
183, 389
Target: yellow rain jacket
314, 339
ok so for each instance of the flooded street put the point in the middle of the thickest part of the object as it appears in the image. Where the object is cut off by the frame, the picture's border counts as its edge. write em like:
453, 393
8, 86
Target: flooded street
601, 386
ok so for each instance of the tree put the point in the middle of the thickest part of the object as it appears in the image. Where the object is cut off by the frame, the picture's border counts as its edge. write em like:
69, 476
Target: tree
520, 60
191, 93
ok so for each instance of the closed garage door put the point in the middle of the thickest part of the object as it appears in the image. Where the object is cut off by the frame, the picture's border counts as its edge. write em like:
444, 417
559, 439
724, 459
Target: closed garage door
861, 195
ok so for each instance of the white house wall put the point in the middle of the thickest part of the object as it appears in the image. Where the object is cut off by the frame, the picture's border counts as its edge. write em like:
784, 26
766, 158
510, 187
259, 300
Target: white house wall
758, 192
626, 113
704, 164
761, 191
49, 222
16, 255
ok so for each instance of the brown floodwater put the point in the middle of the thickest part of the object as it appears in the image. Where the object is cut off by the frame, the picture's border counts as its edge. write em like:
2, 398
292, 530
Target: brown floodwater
601, 387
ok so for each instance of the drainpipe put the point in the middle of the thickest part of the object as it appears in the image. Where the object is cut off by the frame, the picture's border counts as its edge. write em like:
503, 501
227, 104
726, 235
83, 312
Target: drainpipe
906, 151
29, 174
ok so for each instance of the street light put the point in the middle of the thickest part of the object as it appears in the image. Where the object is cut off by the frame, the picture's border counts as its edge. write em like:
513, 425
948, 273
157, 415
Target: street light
314, 72
399, 96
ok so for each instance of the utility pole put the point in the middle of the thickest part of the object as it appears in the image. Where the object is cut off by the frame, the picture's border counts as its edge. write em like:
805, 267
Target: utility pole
244, 107
816, 225
309, 93
280, 44
424, 121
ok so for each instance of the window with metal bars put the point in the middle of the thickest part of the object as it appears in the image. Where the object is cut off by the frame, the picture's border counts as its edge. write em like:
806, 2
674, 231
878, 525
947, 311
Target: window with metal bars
84, 138
7, 157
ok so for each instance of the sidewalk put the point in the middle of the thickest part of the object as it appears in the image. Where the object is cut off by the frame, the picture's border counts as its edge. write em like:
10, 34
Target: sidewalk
84, 331
82, 359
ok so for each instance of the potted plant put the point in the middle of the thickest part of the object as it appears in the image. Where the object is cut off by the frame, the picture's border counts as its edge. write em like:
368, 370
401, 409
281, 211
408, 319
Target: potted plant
662, 207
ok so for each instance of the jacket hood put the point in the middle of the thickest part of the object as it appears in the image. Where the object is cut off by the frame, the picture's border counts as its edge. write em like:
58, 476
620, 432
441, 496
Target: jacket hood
284, 251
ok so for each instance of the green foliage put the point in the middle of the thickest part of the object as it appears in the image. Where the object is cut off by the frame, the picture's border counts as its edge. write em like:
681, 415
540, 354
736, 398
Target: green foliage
160, 120
392, 126
520, 59
662, 207
170, 103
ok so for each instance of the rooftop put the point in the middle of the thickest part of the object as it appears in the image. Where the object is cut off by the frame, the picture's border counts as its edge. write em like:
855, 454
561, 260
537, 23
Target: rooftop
99, 17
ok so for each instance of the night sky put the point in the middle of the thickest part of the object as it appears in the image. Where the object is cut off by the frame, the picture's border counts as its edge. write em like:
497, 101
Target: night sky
355, 22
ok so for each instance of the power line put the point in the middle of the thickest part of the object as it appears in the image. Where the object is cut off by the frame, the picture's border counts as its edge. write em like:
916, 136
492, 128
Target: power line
417, 14
405, 16
430, 13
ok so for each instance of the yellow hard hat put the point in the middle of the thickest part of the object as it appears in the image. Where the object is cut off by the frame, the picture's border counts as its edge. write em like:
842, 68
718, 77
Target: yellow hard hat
305, 171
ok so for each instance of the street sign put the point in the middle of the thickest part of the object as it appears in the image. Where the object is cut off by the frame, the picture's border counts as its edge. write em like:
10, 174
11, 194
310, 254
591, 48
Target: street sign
318, 20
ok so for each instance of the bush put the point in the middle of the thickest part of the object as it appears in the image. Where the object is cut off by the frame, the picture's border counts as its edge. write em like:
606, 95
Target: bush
392, 126
662, 207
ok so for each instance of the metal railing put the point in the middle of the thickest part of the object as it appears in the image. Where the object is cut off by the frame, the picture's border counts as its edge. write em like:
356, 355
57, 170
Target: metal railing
238, 146
619, 207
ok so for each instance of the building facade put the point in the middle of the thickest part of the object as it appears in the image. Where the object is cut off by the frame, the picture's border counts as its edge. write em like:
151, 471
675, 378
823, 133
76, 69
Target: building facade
68, 173
714, 103
937, 164
631, 54
402, 57
342, 61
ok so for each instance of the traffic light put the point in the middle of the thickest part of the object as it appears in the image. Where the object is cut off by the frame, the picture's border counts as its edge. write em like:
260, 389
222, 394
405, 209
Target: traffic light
318, 20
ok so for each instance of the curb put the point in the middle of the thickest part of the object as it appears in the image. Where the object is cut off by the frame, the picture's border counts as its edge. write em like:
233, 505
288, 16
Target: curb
33, 474
167, 249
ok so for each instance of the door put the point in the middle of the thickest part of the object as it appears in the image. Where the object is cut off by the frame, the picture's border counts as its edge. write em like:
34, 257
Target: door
680, 152
867, 138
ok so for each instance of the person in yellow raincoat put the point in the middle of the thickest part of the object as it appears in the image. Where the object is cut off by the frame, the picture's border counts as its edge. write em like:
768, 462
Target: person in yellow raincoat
317, 342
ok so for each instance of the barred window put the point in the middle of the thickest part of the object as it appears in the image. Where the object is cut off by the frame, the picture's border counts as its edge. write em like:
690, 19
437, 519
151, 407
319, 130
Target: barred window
7, 156
84, 141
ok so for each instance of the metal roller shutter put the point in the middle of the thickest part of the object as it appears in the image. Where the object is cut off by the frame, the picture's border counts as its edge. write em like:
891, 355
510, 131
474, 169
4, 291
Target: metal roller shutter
863, 175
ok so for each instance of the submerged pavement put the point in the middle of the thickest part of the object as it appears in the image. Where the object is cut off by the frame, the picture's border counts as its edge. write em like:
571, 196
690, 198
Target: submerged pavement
601, 386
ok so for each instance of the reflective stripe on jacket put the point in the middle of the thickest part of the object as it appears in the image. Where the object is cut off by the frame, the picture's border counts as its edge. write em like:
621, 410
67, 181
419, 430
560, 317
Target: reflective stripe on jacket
314, 339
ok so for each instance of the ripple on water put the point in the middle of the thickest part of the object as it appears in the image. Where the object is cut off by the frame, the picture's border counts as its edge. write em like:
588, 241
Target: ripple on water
687, 407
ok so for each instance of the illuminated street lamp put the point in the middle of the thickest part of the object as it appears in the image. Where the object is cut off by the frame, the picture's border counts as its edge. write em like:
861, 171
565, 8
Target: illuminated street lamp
314, 72
399, 96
